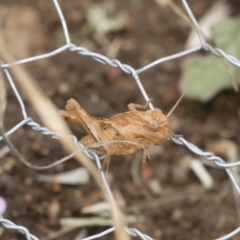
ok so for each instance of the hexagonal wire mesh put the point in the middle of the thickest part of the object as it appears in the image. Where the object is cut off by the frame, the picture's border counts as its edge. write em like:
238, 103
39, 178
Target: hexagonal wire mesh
135, 74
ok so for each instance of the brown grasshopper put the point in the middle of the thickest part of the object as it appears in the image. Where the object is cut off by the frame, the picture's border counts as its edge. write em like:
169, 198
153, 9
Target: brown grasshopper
123, 133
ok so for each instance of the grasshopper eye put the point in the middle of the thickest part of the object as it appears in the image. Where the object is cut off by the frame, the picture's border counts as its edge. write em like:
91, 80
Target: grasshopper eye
153, 125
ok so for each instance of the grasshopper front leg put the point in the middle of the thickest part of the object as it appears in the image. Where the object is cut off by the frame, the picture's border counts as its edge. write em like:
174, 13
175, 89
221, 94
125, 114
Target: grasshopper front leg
144, 160
134, 106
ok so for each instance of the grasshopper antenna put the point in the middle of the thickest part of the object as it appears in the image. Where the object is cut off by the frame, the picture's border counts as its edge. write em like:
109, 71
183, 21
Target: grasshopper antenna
175, 105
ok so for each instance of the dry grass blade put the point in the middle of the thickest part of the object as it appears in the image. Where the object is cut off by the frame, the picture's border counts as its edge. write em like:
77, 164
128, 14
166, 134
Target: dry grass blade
7, 140
48, 114
175, 8
2, 99
95, 221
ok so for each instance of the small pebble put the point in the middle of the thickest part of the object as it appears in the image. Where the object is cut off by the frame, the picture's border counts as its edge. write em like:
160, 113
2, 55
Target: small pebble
63, 88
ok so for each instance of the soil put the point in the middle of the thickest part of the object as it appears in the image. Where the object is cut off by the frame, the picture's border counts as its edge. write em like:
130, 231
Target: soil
169, 197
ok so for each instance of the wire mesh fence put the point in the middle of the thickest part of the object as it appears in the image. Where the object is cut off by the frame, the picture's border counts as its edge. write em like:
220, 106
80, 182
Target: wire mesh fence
203, 45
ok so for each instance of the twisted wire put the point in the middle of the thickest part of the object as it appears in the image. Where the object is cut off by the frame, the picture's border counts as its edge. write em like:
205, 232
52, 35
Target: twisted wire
45, 131
205, 46
10, 225
136, 233
134, 73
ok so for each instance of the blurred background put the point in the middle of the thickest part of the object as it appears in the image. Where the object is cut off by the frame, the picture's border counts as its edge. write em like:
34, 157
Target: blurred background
169, 198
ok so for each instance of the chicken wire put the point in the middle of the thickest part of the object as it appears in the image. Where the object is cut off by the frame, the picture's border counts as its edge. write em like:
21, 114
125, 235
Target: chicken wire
135, 74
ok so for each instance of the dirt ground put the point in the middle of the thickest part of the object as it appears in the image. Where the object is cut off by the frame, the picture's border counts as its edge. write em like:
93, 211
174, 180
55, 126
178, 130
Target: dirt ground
170, 196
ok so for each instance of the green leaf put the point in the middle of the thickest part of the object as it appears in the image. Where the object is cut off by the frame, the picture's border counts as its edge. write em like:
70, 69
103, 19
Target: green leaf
204, 77
226, 35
